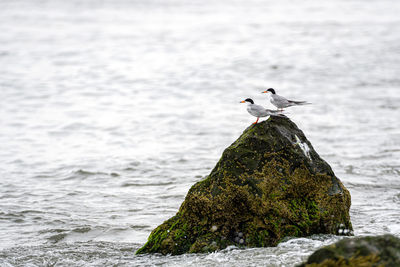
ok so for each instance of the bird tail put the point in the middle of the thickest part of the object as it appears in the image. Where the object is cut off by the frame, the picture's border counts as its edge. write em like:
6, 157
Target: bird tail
277, 113
280, 115
299, 102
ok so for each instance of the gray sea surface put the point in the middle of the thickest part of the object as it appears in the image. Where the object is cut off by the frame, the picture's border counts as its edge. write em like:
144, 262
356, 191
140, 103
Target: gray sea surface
111, 110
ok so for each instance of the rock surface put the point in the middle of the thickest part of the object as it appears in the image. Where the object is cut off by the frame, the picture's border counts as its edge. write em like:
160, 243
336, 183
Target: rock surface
362, 251
268, 185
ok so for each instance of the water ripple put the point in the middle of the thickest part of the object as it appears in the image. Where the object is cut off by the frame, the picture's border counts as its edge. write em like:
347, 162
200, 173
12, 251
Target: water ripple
109, 115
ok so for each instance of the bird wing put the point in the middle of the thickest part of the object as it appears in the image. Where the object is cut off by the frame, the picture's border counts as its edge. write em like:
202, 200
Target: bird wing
279, 101
260, 111
257, 111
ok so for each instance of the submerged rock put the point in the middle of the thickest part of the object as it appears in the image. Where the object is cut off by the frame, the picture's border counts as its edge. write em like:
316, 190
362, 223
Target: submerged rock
362, 251
268, 185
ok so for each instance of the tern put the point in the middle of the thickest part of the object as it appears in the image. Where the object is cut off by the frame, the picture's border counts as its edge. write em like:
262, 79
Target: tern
281, 102
259, 111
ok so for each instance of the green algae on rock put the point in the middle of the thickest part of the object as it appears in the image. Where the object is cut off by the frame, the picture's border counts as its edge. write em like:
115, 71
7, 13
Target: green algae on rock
362, 251
268, 185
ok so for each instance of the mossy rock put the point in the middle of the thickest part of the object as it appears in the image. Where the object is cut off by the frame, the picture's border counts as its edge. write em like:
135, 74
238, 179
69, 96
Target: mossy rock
367, 251
268, 185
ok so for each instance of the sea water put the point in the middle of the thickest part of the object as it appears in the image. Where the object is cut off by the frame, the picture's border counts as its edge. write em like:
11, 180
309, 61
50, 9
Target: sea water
111, 110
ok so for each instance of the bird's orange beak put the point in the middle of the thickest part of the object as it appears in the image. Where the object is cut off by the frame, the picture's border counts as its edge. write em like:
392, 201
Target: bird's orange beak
242, 101
265, 92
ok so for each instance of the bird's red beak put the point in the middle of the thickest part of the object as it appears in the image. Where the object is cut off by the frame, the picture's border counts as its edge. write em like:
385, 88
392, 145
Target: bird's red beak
242, 101
265, 92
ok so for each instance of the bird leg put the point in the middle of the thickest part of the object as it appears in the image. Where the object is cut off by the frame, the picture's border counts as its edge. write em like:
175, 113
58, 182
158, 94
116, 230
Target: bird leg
256, 121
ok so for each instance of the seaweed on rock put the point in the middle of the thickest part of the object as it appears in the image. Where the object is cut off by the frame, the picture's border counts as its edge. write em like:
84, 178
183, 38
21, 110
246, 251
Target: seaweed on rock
268, 185
374, 251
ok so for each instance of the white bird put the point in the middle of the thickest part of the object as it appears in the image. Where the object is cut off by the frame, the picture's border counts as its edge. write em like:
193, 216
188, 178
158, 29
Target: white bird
281, 102
259, 111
